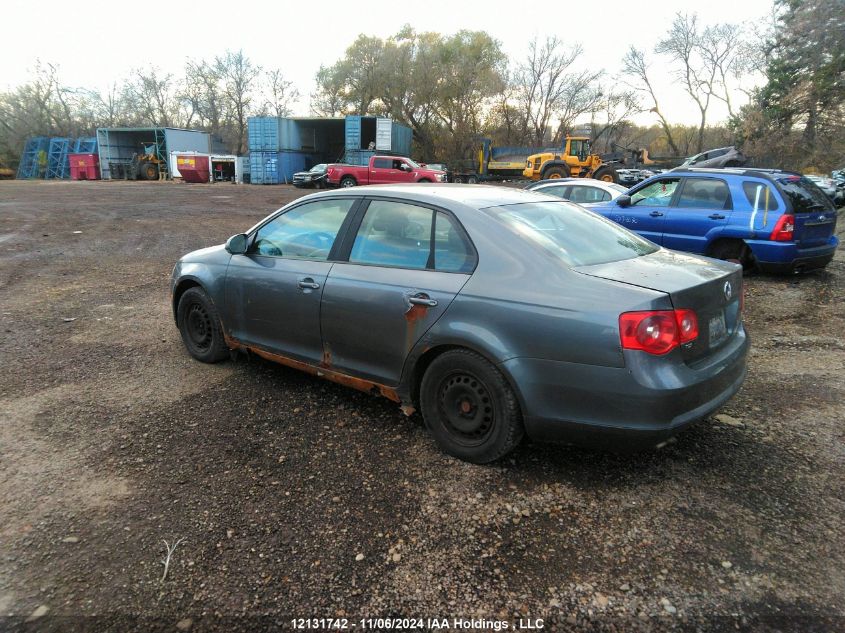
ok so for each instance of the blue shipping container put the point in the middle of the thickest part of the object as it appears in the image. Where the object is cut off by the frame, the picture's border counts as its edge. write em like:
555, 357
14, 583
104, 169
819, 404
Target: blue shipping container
400, 139
353, 133
272, 134
358, 156
274, 168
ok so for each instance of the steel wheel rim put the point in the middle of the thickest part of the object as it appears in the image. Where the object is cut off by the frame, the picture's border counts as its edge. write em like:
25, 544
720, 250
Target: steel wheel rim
199, 327
465, 408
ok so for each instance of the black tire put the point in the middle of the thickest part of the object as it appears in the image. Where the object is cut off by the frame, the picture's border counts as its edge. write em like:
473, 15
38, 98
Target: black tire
472, 180
424, 180
556, 171
347, 181
735, 251
606, 174
469, 407
199, 325
148, 171
457, 179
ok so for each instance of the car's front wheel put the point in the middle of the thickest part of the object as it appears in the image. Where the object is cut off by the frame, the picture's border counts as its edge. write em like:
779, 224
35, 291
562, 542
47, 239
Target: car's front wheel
199, 325
470, 408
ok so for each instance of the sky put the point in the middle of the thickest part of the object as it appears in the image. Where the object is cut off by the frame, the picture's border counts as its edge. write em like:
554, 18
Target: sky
96, 43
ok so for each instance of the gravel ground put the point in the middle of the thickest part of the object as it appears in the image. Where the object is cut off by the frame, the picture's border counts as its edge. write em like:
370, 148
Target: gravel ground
290, 497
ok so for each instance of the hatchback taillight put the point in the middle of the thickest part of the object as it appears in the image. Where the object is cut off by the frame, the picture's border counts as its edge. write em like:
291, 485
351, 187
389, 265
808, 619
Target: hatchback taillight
657, 331
784, 229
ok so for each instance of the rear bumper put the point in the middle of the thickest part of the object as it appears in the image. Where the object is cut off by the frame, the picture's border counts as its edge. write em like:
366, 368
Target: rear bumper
641, 404
788, 257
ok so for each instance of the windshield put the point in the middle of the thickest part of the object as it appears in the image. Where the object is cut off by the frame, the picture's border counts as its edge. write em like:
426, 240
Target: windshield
320, 167
804, 195
412, 164
575, 235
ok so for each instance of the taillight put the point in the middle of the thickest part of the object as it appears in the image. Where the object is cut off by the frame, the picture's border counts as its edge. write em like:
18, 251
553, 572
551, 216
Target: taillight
784, 229
657, 331
687, 325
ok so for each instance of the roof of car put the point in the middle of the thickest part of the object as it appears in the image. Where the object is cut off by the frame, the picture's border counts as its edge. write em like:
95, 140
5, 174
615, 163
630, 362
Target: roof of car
476, 196
758, 172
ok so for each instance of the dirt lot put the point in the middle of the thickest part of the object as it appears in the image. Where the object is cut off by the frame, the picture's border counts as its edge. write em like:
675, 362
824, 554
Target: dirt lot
296, 498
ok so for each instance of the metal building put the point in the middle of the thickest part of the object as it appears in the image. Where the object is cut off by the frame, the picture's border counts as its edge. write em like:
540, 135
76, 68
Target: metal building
117, 146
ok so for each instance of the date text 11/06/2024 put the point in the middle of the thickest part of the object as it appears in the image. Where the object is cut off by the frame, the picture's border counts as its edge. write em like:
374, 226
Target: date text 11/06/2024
416, 624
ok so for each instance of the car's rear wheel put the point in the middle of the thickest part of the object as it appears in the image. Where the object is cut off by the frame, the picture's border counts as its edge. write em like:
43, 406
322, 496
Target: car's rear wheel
470, 408
199, 325
472, 180
347, 181
735, 251
457, 179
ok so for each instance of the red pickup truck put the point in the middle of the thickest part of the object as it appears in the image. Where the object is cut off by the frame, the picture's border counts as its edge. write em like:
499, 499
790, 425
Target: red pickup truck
382, 170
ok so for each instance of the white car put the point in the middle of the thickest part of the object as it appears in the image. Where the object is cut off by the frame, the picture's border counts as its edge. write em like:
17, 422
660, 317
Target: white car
828, 185
579, 190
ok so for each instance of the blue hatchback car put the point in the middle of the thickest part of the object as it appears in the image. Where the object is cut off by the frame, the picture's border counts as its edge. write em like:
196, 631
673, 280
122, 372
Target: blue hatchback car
769, 220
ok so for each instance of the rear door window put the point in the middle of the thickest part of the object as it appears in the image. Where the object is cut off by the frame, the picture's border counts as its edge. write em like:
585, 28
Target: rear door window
586, 194
704, 193
656, 194
760, 196
559, 191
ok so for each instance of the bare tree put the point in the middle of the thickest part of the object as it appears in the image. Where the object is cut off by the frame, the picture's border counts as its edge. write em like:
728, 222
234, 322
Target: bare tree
281, 93
683, 45
612, 116
152, 94
542, 84
722, 49
203, 91
635, 65
238, 78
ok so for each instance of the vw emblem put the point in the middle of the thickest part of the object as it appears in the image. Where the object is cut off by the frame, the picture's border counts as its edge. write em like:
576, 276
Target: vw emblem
728, 290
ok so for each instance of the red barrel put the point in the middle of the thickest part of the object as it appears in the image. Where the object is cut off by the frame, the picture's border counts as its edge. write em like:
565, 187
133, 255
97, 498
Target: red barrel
193, 167
84, 166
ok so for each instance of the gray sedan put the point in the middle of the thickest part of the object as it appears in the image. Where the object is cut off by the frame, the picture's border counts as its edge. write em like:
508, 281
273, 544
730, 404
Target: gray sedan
495, 312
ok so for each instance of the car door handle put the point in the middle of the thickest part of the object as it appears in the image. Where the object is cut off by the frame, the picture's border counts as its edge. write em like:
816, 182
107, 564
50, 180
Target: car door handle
307, 282
716, 216
423, 300
655, 214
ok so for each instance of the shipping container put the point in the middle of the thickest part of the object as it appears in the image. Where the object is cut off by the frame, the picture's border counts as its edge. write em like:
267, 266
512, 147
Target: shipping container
377, 133
273, 134
359, 156
84, 166
274, 168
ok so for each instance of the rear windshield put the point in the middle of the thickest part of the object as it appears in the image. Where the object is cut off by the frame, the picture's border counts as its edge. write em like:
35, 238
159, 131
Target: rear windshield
804, 195
575, 235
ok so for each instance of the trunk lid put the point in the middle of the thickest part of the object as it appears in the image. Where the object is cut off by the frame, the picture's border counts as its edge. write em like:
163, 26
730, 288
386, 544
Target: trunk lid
710, 288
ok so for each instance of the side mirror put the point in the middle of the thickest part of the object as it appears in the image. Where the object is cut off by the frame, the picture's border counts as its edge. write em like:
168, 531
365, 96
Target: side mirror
405, 167
624, 201
236, 245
